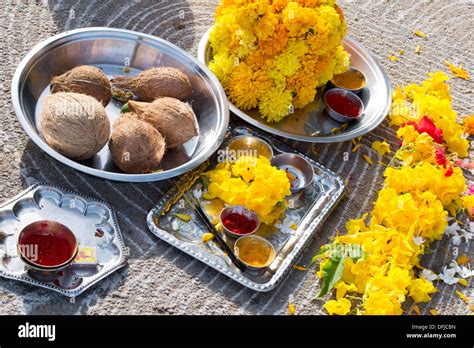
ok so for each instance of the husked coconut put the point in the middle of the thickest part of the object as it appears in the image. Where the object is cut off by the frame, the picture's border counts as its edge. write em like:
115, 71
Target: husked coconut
84, 79
174, 119
155, 83
75, 125
136, 146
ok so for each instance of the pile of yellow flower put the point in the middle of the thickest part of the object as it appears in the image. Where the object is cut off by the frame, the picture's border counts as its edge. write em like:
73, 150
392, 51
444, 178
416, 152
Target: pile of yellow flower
376, 261
273, 54
251, 182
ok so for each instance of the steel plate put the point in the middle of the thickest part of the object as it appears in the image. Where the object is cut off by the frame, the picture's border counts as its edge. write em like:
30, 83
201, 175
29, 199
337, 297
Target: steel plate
83, 215
312, 124
112, 50
307, 210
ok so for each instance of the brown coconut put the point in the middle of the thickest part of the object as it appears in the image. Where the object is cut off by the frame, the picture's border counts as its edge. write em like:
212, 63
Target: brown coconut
155, 83
75, 125
171, 117
84, 79
136, 146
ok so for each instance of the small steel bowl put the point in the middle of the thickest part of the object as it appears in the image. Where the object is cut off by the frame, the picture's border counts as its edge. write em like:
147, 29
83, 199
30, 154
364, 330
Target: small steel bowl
297, 166
337, 116
52, 227
350, 70
247, 145
240, 210
254, 270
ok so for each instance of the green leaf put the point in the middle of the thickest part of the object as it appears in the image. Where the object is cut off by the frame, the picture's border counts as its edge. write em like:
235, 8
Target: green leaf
124, 108
332, 272
321, 253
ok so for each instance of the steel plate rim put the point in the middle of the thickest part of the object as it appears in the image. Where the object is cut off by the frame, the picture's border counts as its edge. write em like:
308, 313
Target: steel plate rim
82, 288
36, 138
202, 48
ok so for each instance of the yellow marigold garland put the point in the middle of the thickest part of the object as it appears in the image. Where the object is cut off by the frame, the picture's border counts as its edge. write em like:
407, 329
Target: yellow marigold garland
376, 260
273, 54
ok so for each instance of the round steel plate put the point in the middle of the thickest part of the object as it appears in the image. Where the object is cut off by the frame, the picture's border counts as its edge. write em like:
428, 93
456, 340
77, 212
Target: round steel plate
112, 50
311, 123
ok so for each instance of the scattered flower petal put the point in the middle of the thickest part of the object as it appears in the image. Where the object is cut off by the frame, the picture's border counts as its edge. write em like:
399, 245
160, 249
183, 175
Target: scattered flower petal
458, 71
416, 309
300, 268
462, 260
207, 237
382, 147
368, 159
419, 33
428, 275
462, 296
183, 217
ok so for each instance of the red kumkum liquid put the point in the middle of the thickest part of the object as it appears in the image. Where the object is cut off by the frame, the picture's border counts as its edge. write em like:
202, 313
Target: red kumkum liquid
343, 105
53, 250
239, 223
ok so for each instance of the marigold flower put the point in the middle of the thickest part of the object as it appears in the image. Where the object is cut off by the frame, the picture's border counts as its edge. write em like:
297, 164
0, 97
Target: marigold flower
291, 47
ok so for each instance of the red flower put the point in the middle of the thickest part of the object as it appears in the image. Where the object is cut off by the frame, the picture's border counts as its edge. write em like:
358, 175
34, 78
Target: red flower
440, 157
427, 126
449, 172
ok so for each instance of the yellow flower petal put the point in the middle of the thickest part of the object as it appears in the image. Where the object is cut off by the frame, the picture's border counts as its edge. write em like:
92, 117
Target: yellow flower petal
356, 148
433, 311
183, 217
393, 58
419, 33
291, 309
418, 49
207, 237
462, 260
458, 71
463, 282
299, 268
462, 296
339, 307
401, 52
368, 159
416, 309
382, 147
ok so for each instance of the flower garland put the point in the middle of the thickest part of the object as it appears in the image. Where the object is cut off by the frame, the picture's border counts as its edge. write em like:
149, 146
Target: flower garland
376, 261
273, 54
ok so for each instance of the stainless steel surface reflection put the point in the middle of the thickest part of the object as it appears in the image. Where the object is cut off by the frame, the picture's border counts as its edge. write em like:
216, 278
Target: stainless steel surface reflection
112, 50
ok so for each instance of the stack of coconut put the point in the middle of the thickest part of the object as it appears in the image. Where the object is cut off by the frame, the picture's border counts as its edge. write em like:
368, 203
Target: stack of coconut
74, 121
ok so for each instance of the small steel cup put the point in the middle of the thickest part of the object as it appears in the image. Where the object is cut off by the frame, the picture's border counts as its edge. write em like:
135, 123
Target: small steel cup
297, 166
245, 242
240, 210
250, 146
53, 227
337, 116
354, 90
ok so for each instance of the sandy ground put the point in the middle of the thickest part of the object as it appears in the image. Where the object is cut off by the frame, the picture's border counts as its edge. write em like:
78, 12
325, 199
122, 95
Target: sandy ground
159, 279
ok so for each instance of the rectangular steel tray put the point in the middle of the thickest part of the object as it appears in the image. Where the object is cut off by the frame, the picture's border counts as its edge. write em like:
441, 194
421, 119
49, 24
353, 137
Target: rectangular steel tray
310, 208
83, 215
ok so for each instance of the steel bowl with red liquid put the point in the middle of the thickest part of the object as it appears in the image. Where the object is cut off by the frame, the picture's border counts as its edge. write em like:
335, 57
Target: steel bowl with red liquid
47, 245
238, 221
